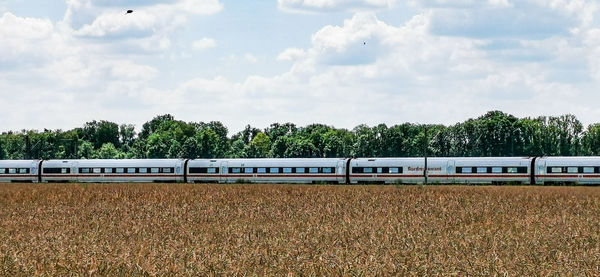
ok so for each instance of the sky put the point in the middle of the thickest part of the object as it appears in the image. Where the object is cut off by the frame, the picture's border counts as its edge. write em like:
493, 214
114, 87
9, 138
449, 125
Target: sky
336, 62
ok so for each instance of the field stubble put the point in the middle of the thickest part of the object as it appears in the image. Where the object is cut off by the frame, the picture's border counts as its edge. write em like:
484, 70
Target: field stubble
184, 229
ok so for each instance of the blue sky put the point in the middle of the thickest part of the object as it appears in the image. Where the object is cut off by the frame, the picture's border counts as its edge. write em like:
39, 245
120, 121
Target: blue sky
338, 62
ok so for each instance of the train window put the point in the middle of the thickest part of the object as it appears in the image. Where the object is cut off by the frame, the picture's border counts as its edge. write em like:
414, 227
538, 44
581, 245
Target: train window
313, 170
261, 170
482, 170
131, 170
385, 170
119, 170
108, 170
198, 170
496, 169
2, 170
57, 170
248, 170
511, 170
235, 170
144, 170
572, 169
597, 169
84, 170
466, 170
23, 170
287, 170
327, 169
172, 170
153, 170
588, 169
555, 170
210, 170
357, 170
12, 170
97, 170
393, 170
300, 170
367, 170
274, 170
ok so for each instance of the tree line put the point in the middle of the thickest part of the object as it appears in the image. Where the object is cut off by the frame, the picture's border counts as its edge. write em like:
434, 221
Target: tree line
493, 134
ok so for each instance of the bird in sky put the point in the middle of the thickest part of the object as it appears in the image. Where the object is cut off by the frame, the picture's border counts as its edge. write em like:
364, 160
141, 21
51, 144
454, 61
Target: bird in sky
364, 43
128, 11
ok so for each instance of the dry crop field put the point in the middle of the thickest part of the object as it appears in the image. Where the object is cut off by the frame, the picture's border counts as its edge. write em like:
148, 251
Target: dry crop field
185, 229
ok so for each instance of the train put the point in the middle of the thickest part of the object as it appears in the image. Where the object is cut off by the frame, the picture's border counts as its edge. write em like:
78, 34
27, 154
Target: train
449, 170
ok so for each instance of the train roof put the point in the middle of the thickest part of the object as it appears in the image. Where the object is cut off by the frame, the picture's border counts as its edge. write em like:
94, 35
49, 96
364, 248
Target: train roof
20, 163
117, 162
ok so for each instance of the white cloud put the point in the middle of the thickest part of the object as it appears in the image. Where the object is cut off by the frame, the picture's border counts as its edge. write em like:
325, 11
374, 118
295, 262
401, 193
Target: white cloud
98, 63
44, 68
102, 19
500, 3
291, 54
413, 75
251, 58
204, 43
118, 23
21, 37
592, 42
333, 5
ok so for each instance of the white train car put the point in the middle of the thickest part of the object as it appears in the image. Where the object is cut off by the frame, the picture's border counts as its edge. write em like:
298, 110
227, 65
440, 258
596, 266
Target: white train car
19, 170
312, 170
139, 170
397, 170
567, 170
59, 171
490, 170
478, 170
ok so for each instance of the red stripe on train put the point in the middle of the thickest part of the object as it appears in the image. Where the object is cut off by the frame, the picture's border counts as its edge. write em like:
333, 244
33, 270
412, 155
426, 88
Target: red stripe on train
438, 176
109, 175
583, 175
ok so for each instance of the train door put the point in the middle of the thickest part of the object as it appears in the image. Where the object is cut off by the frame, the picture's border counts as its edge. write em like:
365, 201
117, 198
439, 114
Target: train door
179, 173
540, 171
341, 172
450, 171
75, 172
34, 166
224, 171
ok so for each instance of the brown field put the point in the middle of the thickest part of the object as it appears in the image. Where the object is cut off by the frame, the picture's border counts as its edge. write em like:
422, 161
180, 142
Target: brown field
182, 229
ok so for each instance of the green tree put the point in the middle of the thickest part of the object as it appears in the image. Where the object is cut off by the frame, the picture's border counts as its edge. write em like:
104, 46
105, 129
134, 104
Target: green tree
126, 135
157, 146
366, 141
109, 151
2, 151
100, 132
260, 146
591, 140
238, 149
222, 141
299, 147
85, 150
208, 141
152, 126
277, 130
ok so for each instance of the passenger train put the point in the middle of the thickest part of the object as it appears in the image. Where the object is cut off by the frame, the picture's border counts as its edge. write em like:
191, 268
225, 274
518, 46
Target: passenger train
458, 170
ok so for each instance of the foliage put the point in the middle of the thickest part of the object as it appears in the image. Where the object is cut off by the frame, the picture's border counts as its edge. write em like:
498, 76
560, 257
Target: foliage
492, 134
